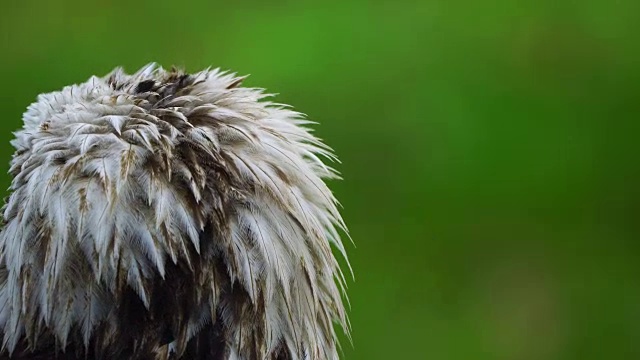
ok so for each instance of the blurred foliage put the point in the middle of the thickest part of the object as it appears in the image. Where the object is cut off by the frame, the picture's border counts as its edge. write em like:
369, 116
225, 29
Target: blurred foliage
489, 149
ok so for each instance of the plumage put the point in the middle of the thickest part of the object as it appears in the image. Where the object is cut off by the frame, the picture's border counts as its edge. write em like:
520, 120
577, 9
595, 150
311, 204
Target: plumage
165, 215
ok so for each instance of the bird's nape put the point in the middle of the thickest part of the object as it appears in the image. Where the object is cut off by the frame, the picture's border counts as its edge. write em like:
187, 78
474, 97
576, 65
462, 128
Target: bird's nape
166, 215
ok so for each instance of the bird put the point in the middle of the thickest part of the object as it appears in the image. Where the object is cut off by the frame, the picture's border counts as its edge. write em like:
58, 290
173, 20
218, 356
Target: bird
171, 215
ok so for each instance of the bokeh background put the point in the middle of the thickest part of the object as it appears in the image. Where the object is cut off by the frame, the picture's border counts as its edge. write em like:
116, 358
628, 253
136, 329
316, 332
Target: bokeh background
489, 149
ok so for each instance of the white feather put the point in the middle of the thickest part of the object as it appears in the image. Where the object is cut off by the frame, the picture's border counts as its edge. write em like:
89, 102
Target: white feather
110, 182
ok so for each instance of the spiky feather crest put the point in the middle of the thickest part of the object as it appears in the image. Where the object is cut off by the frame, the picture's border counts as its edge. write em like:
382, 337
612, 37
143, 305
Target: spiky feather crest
165, 215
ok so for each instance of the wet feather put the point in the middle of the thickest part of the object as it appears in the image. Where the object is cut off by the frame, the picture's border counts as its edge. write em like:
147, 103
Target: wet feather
163, 215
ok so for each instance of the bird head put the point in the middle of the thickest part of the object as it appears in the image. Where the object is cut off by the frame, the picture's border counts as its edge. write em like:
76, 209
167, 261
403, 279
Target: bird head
163, 211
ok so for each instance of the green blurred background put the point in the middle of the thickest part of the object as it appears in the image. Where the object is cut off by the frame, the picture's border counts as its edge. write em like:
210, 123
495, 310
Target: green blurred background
489, 149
